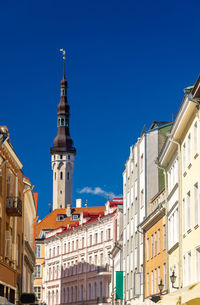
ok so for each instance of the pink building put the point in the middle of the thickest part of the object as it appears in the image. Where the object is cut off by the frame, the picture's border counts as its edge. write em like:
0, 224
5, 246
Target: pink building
78, 268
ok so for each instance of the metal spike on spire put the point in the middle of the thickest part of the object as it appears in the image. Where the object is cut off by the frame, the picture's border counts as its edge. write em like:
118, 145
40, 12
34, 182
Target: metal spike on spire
64, 58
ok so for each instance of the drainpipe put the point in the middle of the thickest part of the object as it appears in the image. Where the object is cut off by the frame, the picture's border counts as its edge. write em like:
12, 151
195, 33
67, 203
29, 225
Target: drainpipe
166, 214
180, 211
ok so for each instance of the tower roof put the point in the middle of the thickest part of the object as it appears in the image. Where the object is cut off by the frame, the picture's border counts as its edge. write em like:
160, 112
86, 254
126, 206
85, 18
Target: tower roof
63, 142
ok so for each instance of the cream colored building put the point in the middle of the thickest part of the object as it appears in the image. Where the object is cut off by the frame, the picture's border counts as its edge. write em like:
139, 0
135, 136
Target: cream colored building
29, 237
180, 157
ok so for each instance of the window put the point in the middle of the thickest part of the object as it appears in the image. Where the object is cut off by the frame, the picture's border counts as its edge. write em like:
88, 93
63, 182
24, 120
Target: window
155, 241
184, 157
164, 276
195, 139
68, 157
151, 246
155, 281
91, 240
158, 241
96, 238
54, 251
72, 292
147, 245
38, 251
75, 297
83, 242
37, 273
61, 156
67, 175
158, 275
183, 216
101, 236
108, 234
188, 211
189, 149
136, 240
101, 289
147, 287
151, 282
73, 245
101, 259
95, 260
37, 291
142, 199
65, 248
189, 267
81, 295
141, 162
164, 237
95, 290
196, 204
198, 264
68, 246
67, 294
77, 244
89, 291
58, 250
61, 175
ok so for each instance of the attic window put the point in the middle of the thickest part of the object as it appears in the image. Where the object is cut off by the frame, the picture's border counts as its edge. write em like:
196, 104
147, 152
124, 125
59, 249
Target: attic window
74, 217
60, 217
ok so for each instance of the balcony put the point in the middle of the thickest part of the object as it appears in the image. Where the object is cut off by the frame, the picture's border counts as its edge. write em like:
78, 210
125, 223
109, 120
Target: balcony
103, 270
13, 206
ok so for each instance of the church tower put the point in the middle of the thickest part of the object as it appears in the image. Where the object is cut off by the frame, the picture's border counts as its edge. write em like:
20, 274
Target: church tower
62, 153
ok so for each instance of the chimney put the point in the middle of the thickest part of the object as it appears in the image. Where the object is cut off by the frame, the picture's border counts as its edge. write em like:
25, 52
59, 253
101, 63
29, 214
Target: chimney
78, 203
68, 210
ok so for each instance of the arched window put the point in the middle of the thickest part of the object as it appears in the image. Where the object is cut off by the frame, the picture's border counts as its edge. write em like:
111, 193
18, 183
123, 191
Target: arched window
101, 289
62, 122
57, 271
57, 297
95, 290
49, 253
81, 296
75, 296
64, 295
67, 294
65, 248
50, 273
53, 298
49, 298
89, 292
61, 175
72, 294
54, 251
53, 275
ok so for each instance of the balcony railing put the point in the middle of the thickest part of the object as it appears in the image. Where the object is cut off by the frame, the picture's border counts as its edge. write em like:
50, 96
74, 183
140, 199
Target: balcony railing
14, 206
103, 269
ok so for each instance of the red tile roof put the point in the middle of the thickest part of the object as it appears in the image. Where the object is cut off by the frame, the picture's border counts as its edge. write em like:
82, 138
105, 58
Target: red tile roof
51, 222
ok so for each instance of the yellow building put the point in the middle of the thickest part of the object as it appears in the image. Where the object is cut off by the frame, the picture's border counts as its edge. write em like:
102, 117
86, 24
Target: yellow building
180, 158
154, 230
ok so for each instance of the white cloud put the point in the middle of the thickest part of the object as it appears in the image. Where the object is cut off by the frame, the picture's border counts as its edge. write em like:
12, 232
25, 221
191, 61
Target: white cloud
97, 191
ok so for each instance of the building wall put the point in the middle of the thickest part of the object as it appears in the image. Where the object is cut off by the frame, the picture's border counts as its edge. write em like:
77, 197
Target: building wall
155, 261
62, 166
39, 277
11, 227
71, 260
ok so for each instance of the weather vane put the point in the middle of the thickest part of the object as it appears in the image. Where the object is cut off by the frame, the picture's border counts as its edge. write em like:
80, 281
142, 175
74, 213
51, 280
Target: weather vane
63, 53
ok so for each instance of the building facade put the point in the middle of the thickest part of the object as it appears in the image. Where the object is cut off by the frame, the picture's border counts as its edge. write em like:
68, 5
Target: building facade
154, 230
77, 259
30, 211
11, 220
180, 157
142, 179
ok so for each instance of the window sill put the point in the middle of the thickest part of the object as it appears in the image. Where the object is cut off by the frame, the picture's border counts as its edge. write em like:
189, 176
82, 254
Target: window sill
196, 155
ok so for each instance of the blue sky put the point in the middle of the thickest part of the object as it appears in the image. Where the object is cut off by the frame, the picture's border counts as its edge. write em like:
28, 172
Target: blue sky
127, 64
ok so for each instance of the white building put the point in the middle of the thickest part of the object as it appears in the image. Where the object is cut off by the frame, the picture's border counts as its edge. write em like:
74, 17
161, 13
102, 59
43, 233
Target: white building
141, 181
77, 263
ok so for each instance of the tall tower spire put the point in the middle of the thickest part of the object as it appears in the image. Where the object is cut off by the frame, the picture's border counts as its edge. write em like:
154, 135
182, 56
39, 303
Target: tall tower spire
63, 151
